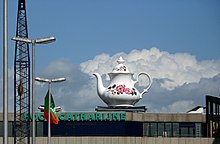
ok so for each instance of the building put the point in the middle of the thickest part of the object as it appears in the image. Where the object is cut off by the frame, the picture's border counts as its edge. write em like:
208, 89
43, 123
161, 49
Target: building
213, 116
120, 127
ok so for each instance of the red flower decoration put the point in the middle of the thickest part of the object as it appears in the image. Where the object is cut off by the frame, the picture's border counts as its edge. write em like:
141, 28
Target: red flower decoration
128, 91
120, 88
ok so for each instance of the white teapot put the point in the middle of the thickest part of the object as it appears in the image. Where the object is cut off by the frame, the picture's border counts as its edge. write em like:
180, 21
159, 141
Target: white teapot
121, 90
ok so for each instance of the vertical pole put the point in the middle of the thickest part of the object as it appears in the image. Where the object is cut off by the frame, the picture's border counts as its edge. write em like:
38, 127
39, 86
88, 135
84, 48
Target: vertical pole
5, 71
49, 131
33, 92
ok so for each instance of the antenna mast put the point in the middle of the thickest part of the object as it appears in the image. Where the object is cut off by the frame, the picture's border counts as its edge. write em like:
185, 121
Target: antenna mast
21, 80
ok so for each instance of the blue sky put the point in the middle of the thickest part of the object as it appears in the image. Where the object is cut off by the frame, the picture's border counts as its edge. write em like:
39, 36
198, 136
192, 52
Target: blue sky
87, 30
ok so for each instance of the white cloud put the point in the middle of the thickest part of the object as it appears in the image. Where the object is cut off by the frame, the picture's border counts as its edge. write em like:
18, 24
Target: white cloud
58, 68
177, 68
178, 106
180, 81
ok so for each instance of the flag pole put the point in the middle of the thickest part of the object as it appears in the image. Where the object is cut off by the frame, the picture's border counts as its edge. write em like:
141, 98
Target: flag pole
49, 81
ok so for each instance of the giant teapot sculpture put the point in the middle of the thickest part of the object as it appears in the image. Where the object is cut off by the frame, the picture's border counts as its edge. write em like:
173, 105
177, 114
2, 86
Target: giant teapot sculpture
121, 90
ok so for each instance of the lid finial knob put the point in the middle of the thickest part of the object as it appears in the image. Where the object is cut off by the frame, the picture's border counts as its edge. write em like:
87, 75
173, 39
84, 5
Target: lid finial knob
120, 60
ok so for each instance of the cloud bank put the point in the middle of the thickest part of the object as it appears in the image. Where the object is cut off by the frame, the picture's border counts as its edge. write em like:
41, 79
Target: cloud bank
180, 81
173, 69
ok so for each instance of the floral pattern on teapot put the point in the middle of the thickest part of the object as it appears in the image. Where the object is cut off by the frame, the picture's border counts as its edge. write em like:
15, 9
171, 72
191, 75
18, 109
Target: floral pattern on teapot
121, 89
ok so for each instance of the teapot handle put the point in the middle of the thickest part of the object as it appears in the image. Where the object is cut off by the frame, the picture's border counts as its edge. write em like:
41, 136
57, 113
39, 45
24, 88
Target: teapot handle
149, 85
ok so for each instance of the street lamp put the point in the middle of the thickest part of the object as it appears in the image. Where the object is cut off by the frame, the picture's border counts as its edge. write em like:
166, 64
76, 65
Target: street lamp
49, 81
33, 42
5, 71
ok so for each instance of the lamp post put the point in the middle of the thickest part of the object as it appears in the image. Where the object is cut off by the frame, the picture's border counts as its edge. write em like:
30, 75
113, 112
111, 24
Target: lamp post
49, 81
5, 71
33, 42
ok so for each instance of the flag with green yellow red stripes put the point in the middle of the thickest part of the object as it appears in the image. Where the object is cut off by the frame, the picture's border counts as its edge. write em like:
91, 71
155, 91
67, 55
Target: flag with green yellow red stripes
53, 117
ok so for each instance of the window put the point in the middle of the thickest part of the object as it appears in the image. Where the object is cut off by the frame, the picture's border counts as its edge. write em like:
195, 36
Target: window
161, 130
10, 129
198, 129
39, 129
187, 129
175, 129
1, 129
153, 128
184, 131
168, 129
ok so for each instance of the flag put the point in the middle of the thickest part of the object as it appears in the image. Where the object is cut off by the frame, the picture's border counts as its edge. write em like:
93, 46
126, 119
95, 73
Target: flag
53, 117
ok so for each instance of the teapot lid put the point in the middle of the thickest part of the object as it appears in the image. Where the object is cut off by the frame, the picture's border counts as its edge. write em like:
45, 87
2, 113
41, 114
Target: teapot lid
120, 68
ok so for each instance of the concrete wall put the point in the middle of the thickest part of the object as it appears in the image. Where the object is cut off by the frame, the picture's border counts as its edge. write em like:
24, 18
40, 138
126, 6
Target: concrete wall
165, 117
150, 117
122, 140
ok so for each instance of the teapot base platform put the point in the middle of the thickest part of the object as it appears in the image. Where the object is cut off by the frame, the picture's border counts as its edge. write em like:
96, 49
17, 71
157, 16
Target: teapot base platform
121, 108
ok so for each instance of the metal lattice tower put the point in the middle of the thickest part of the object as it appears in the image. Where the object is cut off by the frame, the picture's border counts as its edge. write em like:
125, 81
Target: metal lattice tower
21, 80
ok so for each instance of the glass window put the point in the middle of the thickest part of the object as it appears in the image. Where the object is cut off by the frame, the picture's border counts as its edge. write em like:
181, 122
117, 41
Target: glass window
39, 129
191, 131
147, 129
198, 130
187, 129
183, 131
209, 107
10, 129
161, 131
213, 107
1, 129
175, 129
153, 127
168, 129
150, 129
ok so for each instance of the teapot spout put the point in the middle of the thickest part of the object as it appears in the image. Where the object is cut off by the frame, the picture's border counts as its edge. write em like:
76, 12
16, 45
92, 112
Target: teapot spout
100, 87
